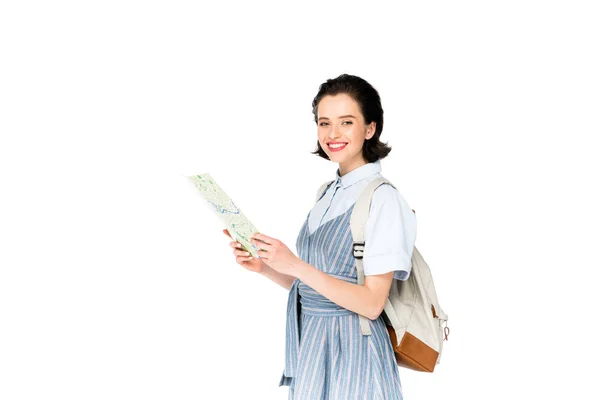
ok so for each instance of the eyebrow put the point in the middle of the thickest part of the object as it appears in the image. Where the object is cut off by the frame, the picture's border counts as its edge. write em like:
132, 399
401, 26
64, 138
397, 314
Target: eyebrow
343, 116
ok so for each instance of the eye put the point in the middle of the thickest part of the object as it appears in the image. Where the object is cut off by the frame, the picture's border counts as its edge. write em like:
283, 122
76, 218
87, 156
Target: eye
322, 123
350, 122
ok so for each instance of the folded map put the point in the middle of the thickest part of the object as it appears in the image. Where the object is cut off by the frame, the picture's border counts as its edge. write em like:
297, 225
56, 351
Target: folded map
238, 226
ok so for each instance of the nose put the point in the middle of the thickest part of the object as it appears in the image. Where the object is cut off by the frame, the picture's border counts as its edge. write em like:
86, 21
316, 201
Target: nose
333, 133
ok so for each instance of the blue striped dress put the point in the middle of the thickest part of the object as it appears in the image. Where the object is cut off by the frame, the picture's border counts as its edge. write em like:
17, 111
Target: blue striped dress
326, 356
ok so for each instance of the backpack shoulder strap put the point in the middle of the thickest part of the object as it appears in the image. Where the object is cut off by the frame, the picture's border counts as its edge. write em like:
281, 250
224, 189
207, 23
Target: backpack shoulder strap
358, 221
321, 190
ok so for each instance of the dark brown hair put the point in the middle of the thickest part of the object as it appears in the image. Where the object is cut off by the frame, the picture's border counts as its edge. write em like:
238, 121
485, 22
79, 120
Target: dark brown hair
370, 106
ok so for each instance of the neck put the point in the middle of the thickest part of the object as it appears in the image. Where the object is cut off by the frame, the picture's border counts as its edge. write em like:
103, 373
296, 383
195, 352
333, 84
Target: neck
349, 166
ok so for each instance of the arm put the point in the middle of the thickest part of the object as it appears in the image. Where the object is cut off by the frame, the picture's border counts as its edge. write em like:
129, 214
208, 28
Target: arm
283, 280
367, 300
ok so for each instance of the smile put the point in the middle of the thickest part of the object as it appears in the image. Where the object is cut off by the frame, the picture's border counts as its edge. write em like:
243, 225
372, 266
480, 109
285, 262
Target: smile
336, 146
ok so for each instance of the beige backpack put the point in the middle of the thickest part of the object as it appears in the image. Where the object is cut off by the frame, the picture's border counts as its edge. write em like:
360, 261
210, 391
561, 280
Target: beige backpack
412, 314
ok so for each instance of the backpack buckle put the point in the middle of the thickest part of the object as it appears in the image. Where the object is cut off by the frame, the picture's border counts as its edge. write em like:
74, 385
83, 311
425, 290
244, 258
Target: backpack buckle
358, 248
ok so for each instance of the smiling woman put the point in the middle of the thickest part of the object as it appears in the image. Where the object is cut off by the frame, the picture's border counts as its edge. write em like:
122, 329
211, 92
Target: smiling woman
326, 354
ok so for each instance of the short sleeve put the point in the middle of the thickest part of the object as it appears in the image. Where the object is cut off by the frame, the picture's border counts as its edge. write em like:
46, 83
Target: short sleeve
390, 234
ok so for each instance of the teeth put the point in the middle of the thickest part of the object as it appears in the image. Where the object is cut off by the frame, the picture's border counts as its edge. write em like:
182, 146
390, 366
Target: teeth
335, 146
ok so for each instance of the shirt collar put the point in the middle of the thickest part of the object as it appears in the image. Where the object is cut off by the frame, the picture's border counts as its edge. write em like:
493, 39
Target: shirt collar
357, 174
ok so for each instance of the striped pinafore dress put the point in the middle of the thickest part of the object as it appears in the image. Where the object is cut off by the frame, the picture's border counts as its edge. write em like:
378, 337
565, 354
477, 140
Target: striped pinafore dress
326, 356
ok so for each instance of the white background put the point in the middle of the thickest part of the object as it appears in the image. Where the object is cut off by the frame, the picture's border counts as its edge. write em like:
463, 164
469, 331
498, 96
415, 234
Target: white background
116, 282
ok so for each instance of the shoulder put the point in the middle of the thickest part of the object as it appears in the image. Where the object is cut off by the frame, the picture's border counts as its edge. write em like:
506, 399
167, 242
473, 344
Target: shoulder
388, 204
384, 192
387, 196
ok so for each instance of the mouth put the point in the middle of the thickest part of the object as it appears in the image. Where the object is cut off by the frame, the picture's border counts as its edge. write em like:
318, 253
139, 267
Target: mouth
336, 146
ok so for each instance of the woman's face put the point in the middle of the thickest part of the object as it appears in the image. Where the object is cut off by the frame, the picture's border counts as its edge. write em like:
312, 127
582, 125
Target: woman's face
341, 121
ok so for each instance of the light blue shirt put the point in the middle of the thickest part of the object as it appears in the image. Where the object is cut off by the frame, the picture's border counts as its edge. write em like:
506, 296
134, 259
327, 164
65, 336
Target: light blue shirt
391, 229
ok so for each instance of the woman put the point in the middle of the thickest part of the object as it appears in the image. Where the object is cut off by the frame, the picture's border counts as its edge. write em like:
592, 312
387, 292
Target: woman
327, 357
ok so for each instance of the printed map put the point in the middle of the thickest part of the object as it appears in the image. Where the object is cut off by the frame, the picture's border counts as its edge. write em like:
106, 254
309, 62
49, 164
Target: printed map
239, 227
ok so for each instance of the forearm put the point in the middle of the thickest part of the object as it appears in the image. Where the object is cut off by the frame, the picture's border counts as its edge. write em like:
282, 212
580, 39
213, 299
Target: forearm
353, 297
283, 280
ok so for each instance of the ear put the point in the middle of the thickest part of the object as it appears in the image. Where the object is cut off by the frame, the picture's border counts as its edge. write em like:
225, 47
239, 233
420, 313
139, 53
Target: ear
370, 130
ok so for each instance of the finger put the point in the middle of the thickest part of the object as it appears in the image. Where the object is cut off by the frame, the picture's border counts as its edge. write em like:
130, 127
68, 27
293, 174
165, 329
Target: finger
264, 238
263, 253
261, 245
235, 244
225, 231
241, 253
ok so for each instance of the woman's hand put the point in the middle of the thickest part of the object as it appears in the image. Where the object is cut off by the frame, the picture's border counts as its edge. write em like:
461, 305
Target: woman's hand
275, 254
244, 258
